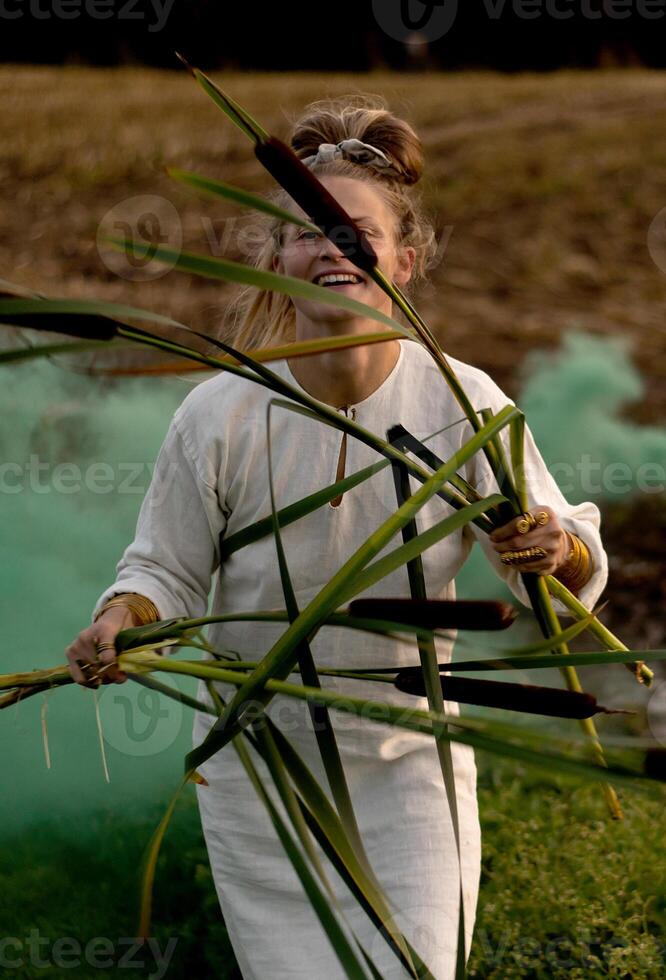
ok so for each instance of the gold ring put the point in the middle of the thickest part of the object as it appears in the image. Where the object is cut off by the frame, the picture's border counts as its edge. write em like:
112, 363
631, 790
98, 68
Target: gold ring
524, 555
104, 645
525, 523
542, 517
89, 670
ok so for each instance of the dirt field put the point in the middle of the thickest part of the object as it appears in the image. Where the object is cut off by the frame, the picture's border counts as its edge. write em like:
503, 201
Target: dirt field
544, 189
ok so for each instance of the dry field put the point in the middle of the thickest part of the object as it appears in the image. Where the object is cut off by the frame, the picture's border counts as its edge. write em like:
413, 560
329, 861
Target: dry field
543, 189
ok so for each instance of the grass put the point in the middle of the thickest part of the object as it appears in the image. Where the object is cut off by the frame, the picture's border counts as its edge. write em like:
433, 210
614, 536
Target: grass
565, 892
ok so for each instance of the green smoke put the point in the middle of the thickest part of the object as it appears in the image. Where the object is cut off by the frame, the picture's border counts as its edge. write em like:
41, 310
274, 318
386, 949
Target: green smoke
573, 399
76, 456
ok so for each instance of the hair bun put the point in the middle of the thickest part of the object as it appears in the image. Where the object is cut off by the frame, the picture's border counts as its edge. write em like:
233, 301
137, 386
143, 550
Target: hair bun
365, 118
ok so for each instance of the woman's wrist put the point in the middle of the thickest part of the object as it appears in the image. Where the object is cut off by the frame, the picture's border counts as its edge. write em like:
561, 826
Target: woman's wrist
121, 616
141, 609
576, 569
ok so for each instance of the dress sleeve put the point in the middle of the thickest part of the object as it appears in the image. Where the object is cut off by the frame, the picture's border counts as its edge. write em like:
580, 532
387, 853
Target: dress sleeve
583, 519
175, 550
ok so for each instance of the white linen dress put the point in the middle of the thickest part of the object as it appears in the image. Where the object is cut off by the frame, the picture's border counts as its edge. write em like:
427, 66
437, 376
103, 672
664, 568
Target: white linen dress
211, 477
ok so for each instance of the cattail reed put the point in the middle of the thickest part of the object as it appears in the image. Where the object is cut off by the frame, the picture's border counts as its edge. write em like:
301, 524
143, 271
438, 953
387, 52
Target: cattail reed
530, 698
464, 614
82, 325
310, 194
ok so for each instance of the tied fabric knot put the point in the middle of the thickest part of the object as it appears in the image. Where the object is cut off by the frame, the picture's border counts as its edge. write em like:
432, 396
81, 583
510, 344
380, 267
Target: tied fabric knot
354, 150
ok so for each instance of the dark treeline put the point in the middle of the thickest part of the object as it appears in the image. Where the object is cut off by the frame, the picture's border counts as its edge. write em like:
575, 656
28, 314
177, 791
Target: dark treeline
507, 35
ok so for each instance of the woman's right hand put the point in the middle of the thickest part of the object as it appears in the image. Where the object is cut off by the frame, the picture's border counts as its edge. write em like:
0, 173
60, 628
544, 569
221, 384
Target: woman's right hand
84, 659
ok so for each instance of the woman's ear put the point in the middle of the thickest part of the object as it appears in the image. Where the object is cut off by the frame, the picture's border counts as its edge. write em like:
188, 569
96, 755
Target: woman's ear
405, 267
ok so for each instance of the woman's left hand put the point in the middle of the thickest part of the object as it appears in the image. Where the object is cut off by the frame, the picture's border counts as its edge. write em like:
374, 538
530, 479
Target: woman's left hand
546, 533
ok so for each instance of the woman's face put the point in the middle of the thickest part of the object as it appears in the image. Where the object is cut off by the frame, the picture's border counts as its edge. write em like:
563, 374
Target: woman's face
305, 255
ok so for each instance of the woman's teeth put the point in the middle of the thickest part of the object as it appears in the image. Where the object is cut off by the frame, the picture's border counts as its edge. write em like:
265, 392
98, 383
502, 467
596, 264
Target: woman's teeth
334, 279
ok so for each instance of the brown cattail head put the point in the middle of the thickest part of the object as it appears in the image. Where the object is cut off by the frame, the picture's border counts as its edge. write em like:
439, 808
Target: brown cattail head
81, 325
552, 701
464, 614
320, 206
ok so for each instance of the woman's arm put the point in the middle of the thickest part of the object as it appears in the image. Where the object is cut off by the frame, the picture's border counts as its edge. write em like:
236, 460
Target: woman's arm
582, 520
175, 550
537, 542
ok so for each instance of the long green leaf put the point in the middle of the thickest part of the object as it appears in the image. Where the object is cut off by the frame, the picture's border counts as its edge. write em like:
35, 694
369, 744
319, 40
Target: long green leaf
296, 814
149, 862
328, 920
280, 660
247, 275
537, 591
433, 690
471, 731
238, 115
49, 350
399, 556
328, 747
306, 505
643, 674
326, 824
587, 658
82, 307
218, 188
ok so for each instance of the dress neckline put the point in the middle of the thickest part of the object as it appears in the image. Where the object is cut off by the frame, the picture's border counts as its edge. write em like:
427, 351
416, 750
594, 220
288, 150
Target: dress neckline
378, 393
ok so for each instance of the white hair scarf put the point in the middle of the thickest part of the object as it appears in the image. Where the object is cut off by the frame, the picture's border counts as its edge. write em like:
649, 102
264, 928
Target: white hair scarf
354, 150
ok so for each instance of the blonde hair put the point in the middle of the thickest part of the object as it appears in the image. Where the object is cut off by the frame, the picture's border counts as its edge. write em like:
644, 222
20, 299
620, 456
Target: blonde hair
259, 318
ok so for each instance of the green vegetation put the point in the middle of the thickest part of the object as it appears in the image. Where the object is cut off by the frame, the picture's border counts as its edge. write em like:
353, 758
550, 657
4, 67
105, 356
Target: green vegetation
565, 891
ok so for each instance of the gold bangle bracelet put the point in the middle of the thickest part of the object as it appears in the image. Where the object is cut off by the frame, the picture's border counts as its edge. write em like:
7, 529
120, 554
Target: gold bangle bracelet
577, 569
139, 605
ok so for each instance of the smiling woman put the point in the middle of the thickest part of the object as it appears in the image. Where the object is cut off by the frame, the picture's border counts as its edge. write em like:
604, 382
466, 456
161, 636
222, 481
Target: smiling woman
214, 466
381, 199
306, 255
